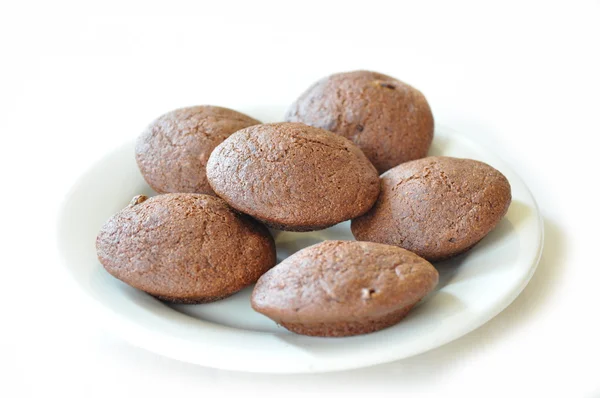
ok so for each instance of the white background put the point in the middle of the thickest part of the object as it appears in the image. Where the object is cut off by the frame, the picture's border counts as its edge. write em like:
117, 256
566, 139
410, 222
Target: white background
78, 79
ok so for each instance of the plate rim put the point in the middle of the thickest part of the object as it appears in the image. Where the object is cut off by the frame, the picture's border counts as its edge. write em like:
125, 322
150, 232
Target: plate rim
139, 336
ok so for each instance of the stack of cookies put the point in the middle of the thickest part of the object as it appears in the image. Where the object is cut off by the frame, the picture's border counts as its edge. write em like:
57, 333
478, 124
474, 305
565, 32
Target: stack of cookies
352, 147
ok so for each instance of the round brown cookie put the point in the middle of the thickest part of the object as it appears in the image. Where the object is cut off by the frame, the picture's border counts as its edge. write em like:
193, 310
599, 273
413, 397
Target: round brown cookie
292, 176
437, 207
388, 119
343, 288
186, 248
172, 152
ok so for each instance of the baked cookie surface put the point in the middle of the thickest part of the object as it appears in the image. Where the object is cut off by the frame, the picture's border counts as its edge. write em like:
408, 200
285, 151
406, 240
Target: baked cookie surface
436, 207
343, 288
389, 120
292, 176
172, 152
187, 248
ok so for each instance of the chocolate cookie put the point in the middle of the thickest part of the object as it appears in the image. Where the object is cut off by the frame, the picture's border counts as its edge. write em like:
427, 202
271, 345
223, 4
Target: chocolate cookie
292, 176
343, 288
185, 248
388, 119
437, 207
173, 151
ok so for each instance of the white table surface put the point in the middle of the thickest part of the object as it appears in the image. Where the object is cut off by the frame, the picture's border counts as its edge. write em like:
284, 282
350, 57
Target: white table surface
79, 79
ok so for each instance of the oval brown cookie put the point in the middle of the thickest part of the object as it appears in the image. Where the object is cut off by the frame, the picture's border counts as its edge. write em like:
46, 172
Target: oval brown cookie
186, 248
172, 152
292, 176
343, 288
437, 207
388, 119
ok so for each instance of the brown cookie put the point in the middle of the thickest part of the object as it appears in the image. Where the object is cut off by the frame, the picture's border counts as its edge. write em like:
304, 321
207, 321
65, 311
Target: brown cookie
292, 176
437, 207
343, 288
186, 248
173, 151
388, 119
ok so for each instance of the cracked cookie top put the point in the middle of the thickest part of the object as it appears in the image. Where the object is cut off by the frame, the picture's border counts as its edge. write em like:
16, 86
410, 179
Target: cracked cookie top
172, 152
389, 120
292, 176
437, 207
184, 247
343, 281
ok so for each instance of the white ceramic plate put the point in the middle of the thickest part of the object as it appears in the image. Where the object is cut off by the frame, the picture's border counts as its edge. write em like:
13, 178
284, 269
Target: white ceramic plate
473, 287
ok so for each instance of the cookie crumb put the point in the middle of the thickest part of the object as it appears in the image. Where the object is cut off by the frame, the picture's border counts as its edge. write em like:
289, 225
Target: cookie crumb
387, 85
367, 293
137, 200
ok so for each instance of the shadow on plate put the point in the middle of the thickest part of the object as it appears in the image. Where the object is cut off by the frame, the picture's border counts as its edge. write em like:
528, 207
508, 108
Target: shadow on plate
287, 247
430, 367
488, 245
438, 146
